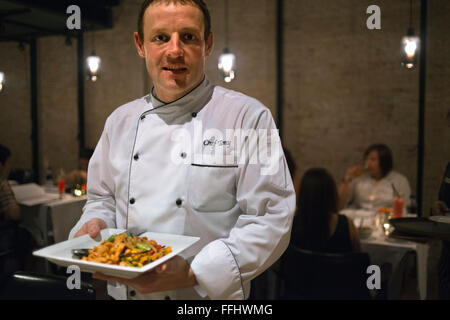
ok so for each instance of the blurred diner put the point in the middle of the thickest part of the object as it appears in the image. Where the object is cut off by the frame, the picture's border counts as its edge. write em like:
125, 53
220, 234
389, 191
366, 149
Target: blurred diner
9, 208
317, 225
441, 208
79, 175
16, 242
376, 185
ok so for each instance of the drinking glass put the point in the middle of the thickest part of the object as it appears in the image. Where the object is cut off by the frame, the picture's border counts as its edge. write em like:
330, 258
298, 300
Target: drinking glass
397, 206
384, 214
61, 187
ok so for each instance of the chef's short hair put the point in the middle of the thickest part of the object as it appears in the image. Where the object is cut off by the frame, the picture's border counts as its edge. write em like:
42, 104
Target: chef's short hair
385, 159
5, 153
198, 3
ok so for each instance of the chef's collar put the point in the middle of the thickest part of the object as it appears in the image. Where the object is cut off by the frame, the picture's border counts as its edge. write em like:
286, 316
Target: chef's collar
193, 101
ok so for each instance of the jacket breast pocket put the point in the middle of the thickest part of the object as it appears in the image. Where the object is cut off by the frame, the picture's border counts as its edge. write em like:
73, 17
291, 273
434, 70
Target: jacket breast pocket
212, 188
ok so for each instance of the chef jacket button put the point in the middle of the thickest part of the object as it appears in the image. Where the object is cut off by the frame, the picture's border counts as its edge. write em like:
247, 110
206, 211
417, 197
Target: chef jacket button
132, 201
132, 293
136, 157
166, 298
179, 202
183, 155
194, 114
143, 117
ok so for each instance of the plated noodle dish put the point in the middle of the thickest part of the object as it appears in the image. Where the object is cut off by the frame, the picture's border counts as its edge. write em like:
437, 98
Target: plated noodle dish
127, 250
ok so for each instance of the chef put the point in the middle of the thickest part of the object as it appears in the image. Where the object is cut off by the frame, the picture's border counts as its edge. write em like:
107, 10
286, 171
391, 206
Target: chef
190, 159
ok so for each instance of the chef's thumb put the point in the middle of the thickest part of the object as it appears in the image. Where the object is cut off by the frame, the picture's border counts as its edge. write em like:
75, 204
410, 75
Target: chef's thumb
161, 268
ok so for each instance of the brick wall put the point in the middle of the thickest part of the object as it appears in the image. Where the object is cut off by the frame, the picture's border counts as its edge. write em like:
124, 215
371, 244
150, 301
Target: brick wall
344, 86
15, 110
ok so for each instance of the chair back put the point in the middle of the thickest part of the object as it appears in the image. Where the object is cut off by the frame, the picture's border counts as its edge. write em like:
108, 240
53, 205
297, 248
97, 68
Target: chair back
22, 176
10, 257
33, 286
322, 276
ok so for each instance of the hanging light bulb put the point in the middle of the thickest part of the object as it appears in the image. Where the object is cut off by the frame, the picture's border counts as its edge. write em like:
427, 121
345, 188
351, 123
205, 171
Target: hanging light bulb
227, 65
227, 60
410, 45
410, 49
93, 63
2, 80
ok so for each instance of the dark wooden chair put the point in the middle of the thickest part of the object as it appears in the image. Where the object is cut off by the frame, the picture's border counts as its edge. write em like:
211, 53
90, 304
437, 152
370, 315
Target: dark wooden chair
324, 276
34, 286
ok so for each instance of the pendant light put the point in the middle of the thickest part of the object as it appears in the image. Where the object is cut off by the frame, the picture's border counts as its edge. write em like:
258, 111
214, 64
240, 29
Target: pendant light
410, 45
227, 60
93, 62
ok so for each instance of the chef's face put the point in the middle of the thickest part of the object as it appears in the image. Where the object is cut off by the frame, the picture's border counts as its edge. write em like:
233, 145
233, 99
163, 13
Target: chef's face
372, 164
174, 48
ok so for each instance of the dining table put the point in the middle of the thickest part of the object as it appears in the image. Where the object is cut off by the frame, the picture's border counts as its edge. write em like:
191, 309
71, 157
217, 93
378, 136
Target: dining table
50, 222
384, 247
49, 217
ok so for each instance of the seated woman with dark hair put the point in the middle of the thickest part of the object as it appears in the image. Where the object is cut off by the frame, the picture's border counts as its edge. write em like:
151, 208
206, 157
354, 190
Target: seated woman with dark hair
375, 186
317, 225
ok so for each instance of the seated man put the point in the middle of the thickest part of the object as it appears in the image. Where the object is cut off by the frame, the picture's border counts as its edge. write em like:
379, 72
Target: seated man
13, 239
441, 207
444, 263
9, 208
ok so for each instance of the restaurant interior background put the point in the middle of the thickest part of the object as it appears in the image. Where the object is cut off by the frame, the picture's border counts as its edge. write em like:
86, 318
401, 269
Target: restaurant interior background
343, 85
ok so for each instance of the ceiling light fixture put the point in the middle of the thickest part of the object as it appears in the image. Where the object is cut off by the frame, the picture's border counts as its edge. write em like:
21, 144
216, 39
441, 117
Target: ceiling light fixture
227, 60
410, 45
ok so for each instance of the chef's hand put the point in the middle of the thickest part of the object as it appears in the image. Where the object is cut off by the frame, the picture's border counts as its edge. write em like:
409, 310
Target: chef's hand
171, 275
92, 227
439, 208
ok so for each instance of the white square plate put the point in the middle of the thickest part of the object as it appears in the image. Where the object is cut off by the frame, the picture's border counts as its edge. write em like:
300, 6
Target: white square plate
61, 253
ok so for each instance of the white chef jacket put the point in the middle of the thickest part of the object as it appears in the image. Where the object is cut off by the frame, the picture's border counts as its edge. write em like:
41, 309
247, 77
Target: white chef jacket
367, 193
243, 218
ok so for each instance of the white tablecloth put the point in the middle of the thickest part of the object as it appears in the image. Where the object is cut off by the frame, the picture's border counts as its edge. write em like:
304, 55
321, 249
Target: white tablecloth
51, 222
383, 249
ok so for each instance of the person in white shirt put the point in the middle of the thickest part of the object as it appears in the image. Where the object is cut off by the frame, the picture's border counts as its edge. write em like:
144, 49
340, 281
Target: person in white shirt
373, 188
154, 170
